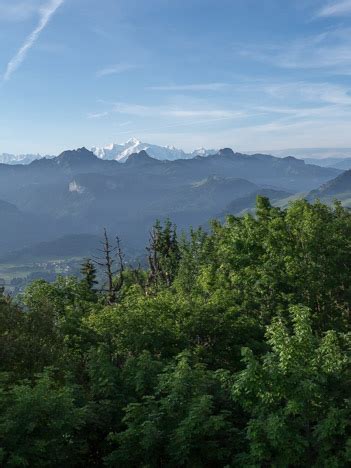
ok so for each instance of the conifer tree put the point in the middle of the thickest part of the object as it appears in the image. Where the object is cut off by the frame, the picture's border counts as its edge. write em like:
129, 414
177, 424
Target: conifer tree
88, 271
164, 254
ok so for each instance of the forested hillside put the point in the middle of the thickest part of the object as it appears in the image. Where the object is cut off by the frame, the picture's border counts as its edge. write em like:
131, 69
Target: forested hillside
232, 349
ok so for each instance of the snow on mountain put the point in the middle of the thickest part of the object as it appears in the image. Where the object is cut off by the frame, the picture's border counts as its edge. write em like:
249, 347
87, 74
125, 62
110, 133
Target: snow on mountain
203, 152
6, 158
121, 152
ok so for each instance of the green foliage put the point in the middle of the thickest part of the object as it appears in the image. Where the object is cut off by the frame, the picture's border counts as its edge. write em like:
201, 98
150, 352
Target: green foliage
232, 349
40, 424
186, 422
12, 339
163, 255
298, 396
89, 273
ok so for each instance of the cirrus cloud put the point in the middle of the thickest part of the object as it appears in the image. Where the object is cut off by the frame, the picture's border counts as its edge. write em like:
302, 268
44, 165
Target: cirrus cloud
339, 8
46, 12
116, 69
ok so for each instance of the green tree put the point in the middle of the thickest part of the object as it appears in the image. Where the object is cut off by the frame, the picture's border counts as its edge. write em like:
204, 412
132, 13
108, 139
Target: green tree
186, 422
89, 274
297, 397
163, 254
13, 343
40, 425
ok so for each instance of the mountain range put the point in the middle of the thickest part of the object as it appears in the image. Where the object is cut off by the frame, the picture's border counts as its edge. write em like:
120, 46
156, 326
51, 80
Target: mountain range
343, 164
121, 152
78, 193
118, 152
313, 153
339, 158
7, 158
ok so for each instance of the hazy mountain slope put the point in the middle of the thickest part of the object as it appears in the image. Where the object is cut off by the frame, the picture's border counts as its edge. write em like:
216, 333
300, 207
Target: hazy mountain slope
17, 182
315, 153
19, 228
338, 188
77, 245
78, 193
324, 162
344, 164
248, 202
285, 173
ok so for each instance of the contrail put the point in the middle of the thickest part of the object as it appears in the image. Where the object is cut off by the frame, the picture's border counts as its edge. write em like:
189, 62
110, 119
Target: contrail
45, 15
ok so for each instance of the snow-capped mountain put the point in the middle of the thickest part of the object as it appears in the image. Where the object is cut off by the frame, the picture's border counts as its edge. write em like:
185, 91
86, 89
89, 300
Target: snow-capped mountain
6, 158
121, 152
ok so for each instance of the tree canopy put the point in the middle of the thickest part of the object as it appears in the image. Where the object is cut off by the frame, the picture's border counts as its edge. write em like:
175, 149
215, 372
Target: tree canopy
232, 348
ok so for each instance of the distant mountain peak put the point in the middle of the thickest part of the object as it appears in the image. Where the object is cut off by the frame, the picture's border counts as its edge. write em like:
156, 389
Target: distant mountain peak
121, 152
24, 159
77, 152
294, 160
134, 141
78, 155
226, 152
140, 158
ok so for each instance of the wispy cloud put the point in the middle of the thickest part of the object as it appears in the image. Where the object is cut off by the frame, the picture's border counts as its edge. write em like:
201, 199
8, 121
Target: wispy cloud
280, 111
46, 13
329, 50
175, 116
115, 69
173, 112
124, 124
319, 93
191, 87
317, 99
97, 115
16, 11
175, 125
339, 8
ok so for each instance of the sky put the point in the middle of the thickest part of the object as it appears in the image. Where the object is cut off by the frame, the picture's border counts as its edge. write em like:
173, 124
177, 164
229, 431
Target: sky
246, 74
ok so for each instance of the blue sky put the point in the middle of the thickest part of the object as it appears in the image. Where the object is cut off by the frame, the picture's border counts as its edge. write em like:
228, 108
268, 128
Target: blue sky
250, 74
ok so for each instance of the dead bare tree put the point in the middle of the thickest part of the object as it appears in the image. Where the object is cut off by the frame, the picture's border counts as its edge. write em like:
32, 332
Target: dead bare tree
153, 259
112, 262
120, 259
